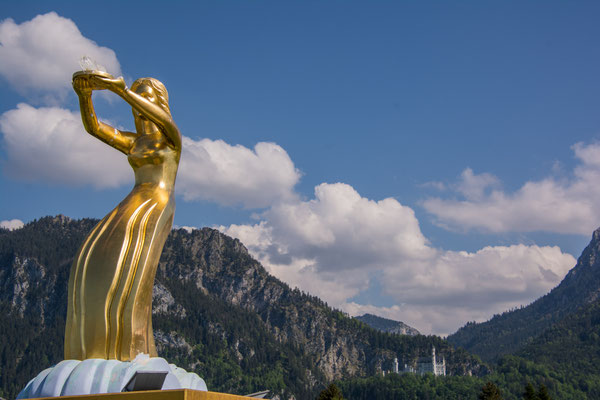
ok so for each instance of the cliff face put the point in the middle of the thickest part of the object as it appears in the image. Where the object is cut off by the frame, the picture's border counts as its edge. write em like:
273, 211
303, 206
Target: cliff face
511, 331
216, 311
218, 265
221, 266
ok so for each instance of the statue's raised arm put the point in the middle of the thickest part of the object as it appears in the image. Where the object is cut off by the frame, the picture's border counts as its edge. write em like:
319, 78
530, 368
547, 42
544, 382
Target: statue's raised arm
84, 86
149, 99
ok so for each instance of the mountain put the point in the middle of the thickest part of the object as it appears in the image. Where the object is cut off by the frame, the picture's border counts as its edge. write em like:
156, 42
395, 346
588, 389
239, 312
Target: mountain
511, 331
387, 325
216, 311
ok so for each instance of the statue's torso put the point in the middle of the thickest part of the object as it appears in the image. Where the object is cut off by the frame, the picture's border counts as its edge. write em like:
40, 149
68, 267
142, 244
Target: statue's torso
154, 161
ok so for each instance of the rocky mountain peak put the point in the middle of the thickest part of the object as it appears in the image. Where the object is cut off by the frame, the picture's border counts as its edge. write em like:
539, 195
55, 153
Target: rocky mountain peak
387, 325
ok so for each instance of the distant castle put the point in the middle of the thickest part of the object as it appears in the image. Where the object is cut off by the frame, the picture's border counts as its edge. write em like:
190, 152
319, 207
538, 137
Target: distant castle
424, 365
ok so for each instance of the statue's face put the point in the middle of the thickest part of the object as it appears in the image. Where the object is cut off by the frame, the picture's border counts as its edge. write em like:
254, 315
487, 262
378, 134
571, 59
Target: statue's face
147, 92
141, 122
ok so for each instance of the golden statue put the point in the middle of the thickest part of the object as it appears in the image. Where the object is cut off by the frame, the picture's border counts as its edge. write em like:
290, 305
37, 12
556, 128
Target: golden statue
110, 284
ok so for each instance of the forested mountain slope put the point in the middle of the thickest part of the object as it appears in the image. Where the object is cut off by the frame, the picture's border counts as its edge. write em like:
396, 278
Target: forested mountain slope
216, 312
572, 348
509, 332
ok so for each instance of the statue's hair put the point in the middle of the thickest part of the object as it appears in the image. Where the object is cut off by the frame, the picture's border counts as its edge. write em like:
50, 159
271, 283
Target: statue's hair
159, 88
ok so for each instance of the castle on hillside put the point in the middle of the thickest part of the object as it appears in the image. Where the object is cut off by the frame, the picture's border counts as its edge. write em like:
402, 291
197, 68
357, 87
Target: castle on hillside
424, 365
431, 364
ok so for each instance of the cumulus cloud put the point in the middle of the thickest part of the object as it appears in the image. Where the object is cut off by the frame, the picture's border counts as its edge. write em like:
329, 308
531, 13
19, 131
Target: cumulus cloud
339, 228
331, 245
474, 286
49, 144
552, 204
492, 274
12, 224
41, 55
233, 175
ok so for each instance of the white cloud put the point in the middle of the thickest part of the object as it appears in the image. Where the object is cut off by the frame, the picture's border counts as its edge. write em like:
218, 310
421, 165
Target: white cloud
454, 287
473, 186
41, 55
339, 228
332, 245
188, 229
232, 175
12, 224
552, 204
49, 144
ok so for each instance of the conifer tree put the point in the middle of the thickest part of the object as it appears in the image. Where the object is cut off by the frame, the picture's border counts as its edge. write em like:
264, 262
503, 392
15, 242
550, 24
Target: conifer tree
490, 392
543, 393
331, 393
530, 393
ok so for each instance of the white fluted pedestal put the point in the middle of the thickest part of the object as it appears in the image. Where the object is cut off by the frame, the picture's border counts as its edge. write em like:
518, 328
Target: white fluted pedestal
181, 394
100, 376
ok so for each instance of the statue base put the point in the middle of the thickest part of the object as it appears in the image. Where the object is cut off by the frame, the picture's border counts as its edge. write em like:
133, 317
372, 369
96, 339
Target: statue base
71, 378
179, 394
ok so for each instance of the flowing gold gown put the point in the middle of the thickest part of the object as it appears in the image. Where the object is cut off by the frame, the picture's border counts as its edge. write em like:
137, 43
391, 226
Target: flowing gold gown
110, 284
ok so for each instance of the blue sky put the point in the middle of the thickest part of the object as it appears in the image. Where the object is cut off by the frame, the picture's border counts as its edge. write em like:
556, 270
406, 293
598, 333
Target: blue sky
433, 162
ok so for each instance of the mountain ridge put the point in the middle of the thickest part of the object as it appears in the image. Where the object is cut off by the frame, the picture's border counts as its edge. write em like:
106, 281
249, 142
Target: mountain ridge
510, 331
216, 311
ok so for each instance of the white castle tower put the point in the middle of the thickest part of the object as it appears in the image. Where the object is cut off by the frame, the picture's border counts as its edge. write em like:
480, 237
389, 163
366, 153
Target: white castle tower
439, 369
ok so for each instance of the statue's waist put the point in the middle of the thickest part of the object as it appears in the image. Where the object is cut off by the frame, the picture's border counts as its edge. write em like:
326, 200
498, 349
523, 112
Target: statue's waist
161, 175
152, 188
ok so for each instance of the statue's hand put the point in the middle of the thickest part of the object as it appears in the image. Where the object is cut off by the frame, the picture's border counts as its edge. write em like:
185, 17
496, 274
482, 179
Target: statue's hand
116, 85
82, 87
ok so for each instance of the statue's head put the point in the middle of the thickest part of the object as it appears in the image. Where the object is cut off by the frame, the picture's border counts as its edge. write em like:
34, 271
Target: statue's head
154, 91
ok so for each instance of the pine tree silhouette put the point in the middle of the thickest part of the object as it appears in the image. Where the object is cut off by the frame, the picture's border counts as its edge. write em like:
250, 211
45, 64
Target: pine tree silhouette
490, 392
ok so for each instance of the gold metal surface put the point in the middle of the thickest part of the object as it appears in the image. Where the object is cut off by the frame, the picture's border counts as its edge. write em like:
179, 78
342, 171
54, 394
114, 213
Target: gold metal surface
179, 394
110, 284
90, 73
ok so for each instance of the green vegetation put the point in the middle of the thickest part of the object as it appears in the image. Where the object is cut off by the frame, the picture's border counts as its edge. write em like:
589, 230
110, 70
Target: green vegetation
32, 326
411, 386
512, 376
571, 349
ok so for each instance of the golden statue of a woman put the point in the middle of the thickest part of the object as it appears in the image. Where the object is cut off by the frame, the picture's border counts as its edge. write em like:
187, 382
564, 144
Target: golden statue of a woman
110, 285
